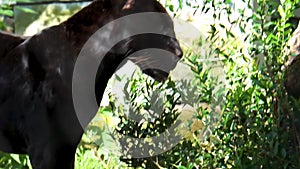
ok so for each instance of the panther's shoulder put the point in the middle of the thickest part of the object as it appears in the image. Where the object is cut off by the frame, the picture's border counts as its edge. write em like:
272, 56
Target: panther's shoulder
9, 42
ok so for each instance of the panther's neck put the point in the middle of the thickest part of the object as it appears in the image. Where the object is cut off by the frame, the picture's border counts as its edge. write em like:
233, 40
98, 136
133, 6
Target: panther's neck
80, 28
106, 69
83, 24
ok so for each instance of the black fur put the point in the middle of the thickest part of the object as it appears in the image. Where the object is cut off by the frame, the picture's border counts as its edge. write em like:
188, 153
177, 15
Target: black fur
37, 116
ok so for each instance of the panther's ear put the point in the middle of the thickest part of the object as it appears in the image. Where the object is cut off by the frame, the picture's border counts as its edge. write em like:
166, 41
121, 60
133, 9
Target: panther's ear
122, 4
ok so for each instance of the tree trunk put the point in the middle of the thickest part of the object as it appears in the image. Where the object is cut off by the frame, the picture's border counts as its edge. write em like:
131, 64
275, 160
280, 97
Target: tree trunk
292, 77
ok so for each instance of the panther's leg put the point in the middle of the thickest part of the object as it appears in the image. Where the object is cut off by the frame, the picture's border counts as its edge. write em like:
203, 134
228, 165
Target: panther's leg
52, 155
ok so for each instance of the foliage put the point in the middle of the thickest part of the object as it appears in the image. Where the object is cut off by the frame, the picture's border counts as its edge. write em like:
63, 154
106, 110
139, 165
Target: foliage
5, 11
257, 125
87, 157
257, 128
14, 161
50, 15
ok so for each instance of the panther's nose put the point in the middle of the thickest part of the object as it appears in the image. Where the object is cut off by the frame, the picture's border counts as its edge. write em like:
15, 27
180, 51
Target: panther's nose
175, 46
177, 49
178, 52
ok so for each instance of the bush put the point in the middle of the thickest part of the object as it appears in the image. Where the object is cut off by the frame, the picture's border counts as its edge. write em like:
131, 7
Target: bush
256, 129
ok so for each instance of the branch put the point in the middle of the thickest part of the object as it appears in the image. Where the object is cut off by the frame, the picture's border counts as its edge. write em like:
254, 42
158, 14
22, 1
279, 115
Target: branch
48, 2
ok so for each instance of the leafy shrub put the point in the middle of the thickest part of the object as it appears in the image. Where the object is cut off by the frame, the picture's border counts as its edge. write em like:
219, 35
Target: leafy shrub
257, 128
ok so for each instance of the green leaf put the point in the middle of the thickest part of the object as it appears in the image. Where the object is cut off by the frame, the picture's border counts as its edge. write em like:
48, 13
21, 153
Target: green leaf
26, 10
281, 11
171, 7
6, 12
180, 4
24, 1
228, 2
16, 158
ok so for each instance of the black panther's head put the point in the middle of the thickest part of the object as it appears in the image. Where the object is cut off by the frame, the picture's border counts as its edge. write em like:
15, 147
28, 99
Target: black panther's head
108, 13
111, 31
155, 52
